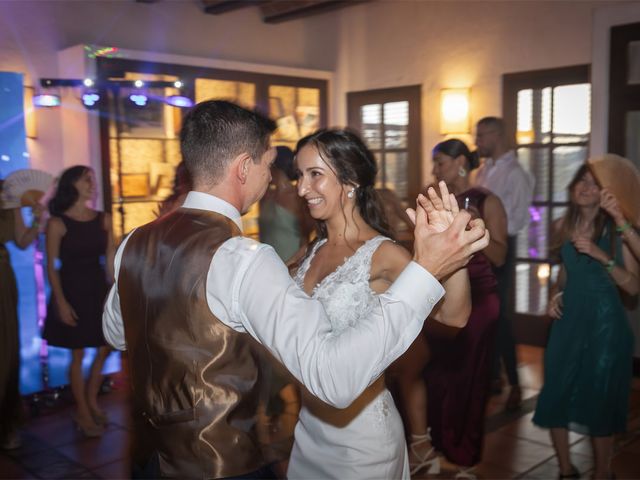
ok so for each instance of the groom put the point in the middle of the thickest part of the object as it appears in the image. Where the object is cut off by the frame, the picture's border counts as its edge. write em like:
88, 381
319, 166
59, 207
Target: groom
192, 295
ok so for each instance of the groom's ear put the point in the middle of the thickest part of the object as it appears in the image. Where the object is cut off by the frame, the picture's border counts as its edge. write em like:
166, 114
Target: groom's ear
241, 167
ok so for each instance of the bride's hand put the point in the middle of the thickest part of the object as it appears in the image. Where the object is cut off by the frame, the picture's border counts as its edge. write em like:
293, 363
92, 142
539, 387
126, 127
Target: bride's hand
440, 209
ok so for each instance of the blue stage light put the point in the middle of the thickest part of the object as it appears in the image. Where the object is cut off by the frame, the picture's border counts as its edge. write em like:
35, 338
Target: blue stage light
90, 99
138, 99
179, 101
46, 100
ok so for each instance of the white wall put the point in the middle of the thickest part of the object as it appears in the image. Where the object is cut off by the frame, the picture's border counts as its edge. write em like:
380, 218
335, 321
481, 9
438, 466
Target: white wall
457, 44
603, 19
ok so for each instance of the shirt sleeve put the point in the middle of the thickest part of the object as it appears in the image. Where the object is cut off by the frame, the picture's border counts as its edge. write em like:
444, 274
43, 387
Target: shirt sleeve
519, 196
112, 326
250, 290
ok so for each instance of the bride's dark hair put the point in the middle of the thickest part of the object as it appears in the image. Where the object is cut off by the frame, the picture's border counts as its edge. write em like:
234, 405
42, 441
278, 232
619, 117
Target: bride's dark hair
352, 162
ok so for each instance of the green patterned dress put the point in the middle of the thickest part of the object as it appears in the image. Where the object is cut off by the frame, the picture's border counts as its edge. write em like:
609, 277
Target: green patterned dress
588, 360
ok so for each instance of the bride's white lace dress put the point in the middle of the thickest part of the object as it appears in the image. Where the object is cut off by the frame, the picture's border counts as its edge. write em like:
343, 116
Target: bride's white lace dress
365, 440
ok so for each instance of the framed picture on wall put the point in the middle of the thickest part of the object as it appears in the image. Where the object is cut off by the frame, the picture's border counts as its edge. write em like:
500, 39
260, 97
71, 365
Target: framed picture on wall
135, 185
154, 119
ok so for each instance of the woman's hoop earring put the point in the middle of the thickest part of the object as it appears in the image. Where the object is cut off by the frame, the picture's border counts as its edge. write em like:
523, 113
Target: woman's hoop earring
462, 172
351, 193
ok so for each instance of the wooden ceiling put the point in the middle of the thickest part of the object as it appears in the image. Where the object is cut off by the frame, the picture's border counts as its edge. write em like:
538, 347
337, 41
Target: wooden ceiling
275, 11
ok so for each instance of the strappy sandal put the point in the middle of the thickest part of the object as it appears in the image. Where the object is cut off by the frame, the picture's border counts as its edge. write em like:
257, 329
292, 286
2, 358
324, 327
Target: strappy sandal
428, 462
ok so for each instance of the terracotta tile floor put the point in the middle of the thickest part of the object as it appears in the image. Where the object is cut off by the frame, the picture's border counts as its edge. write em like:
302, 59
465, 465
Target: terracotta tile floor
514, 447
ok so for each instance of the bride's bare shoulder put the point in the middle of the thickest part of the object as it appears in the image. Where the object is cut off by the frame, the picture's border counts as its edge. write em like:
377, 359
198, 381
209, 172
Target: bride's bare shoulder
389, 260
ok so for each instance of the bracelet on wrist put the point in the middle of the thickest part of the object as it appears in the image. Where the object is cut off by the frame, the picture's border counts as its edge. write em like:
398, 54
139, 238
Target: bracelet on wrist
624, 227
556, 296
610, 265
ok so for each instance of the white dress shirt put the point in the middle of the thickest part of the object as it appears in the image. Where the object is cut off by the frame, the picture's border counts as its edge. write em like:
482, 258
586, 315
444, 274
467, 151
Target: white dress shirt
512, 184
250, 290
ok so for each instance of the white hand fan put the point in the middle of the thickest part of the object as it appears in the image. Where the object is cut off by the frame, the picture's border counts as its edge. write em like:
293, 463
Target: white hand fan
24, 188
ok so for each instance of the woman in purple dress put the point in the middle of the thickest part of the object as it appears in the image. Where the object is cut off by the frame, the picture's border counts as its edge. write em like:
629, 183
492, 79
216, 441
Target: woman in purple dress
458, 373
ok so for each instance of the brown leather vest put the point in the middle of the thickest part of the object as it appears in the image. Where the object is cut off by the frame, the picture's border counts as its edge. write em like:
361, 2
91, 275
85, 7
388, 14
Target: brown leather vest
195, 380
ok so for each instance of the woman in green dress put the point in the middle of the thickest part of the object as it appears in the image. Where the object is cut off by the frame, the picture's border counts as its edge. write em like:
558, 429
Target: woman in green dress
588, 360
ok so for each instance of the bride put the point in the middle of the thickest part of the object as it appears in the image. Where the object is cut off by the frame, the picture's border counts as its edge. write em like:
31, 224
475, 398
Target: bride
351, 262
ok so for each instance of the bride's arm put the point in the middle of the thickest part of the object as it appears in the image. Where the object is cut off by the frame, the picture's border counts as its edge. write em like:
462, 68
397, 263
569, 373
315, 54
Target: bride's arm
454, 310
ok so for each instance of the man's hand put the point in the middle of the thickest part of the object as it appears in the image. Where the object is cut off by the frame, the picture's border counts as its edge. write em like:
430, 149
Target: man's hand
446, 243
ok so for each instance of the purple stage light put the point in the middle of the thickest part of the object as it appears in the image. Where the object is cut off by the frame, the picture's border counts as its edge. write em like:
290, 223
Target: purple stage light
46, 100
179, 101
535, 214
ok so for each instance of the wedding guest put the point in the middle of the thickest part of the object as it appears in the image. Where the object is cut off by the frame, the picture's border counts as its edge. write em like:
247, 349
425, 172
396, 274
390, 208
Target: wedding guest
458, 375
12, 229
588, 359
447, 370
284, 223
502, 174
81, 240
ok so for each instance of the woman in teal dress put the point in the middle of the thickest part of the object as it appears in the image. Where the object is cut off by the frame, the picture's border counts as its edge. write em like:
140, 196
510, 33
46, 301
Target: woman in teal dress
284, 222
588, 360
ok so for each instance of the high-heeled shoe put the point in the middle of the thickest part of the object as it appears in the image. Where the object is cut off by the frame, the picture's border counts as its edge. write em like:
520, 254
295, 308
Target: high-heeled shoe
573, 474
90, 431
428, 462
465, 473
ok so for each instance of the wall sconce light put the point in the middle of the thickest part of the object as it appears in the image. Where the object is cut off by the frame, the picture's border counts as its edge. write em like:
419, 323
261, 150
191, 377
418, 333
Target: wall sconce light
454, 111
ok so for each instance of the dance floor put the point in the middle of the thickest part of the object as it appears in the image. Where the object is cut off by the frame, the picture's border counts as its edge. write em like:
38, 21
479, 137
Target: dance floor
514, 447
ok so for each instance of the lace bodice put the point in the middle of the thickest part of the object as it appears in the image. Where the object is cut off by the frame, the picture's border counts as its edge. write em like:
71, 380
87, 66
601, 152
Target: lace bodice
345, 292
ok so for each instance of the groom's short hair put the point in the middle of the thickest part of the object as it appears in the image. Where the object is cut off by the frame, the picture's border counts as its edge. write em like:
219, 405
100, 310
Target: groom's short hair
216, 131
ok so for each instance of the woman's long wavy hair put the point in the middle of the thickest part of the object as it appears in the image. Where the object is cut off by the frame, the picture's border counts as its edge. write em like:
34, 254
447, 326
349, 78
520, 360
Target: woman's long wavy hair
571, 218
351, 161
66, 193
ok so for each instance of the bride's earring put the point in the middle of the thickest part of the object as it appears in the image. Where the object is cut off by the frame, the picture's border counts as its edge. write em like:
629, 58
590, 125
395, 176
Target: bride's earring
351, 193
462, 172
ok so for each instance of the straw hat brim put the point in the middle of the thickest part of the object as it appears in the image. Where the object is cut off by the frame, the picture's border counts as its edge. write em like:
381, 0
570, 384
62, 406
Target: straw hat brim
621, 177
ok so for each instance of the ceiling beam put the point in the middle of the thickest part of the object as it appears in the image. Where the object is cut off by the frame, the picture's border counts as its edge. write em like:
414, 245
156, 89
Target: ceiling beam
284, 10
217, 7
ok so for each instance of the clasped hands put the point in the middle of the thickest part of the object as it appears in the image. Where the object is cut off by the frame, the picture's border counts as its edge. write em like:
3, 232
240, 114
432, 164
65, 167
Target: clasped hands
584, 244
445, 237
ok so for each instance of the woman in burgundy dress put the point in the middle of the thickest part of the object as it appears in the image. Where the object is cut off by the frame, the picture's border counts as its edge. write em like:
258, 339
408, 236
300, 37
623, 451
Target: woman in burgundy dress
457, 375
80, 239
